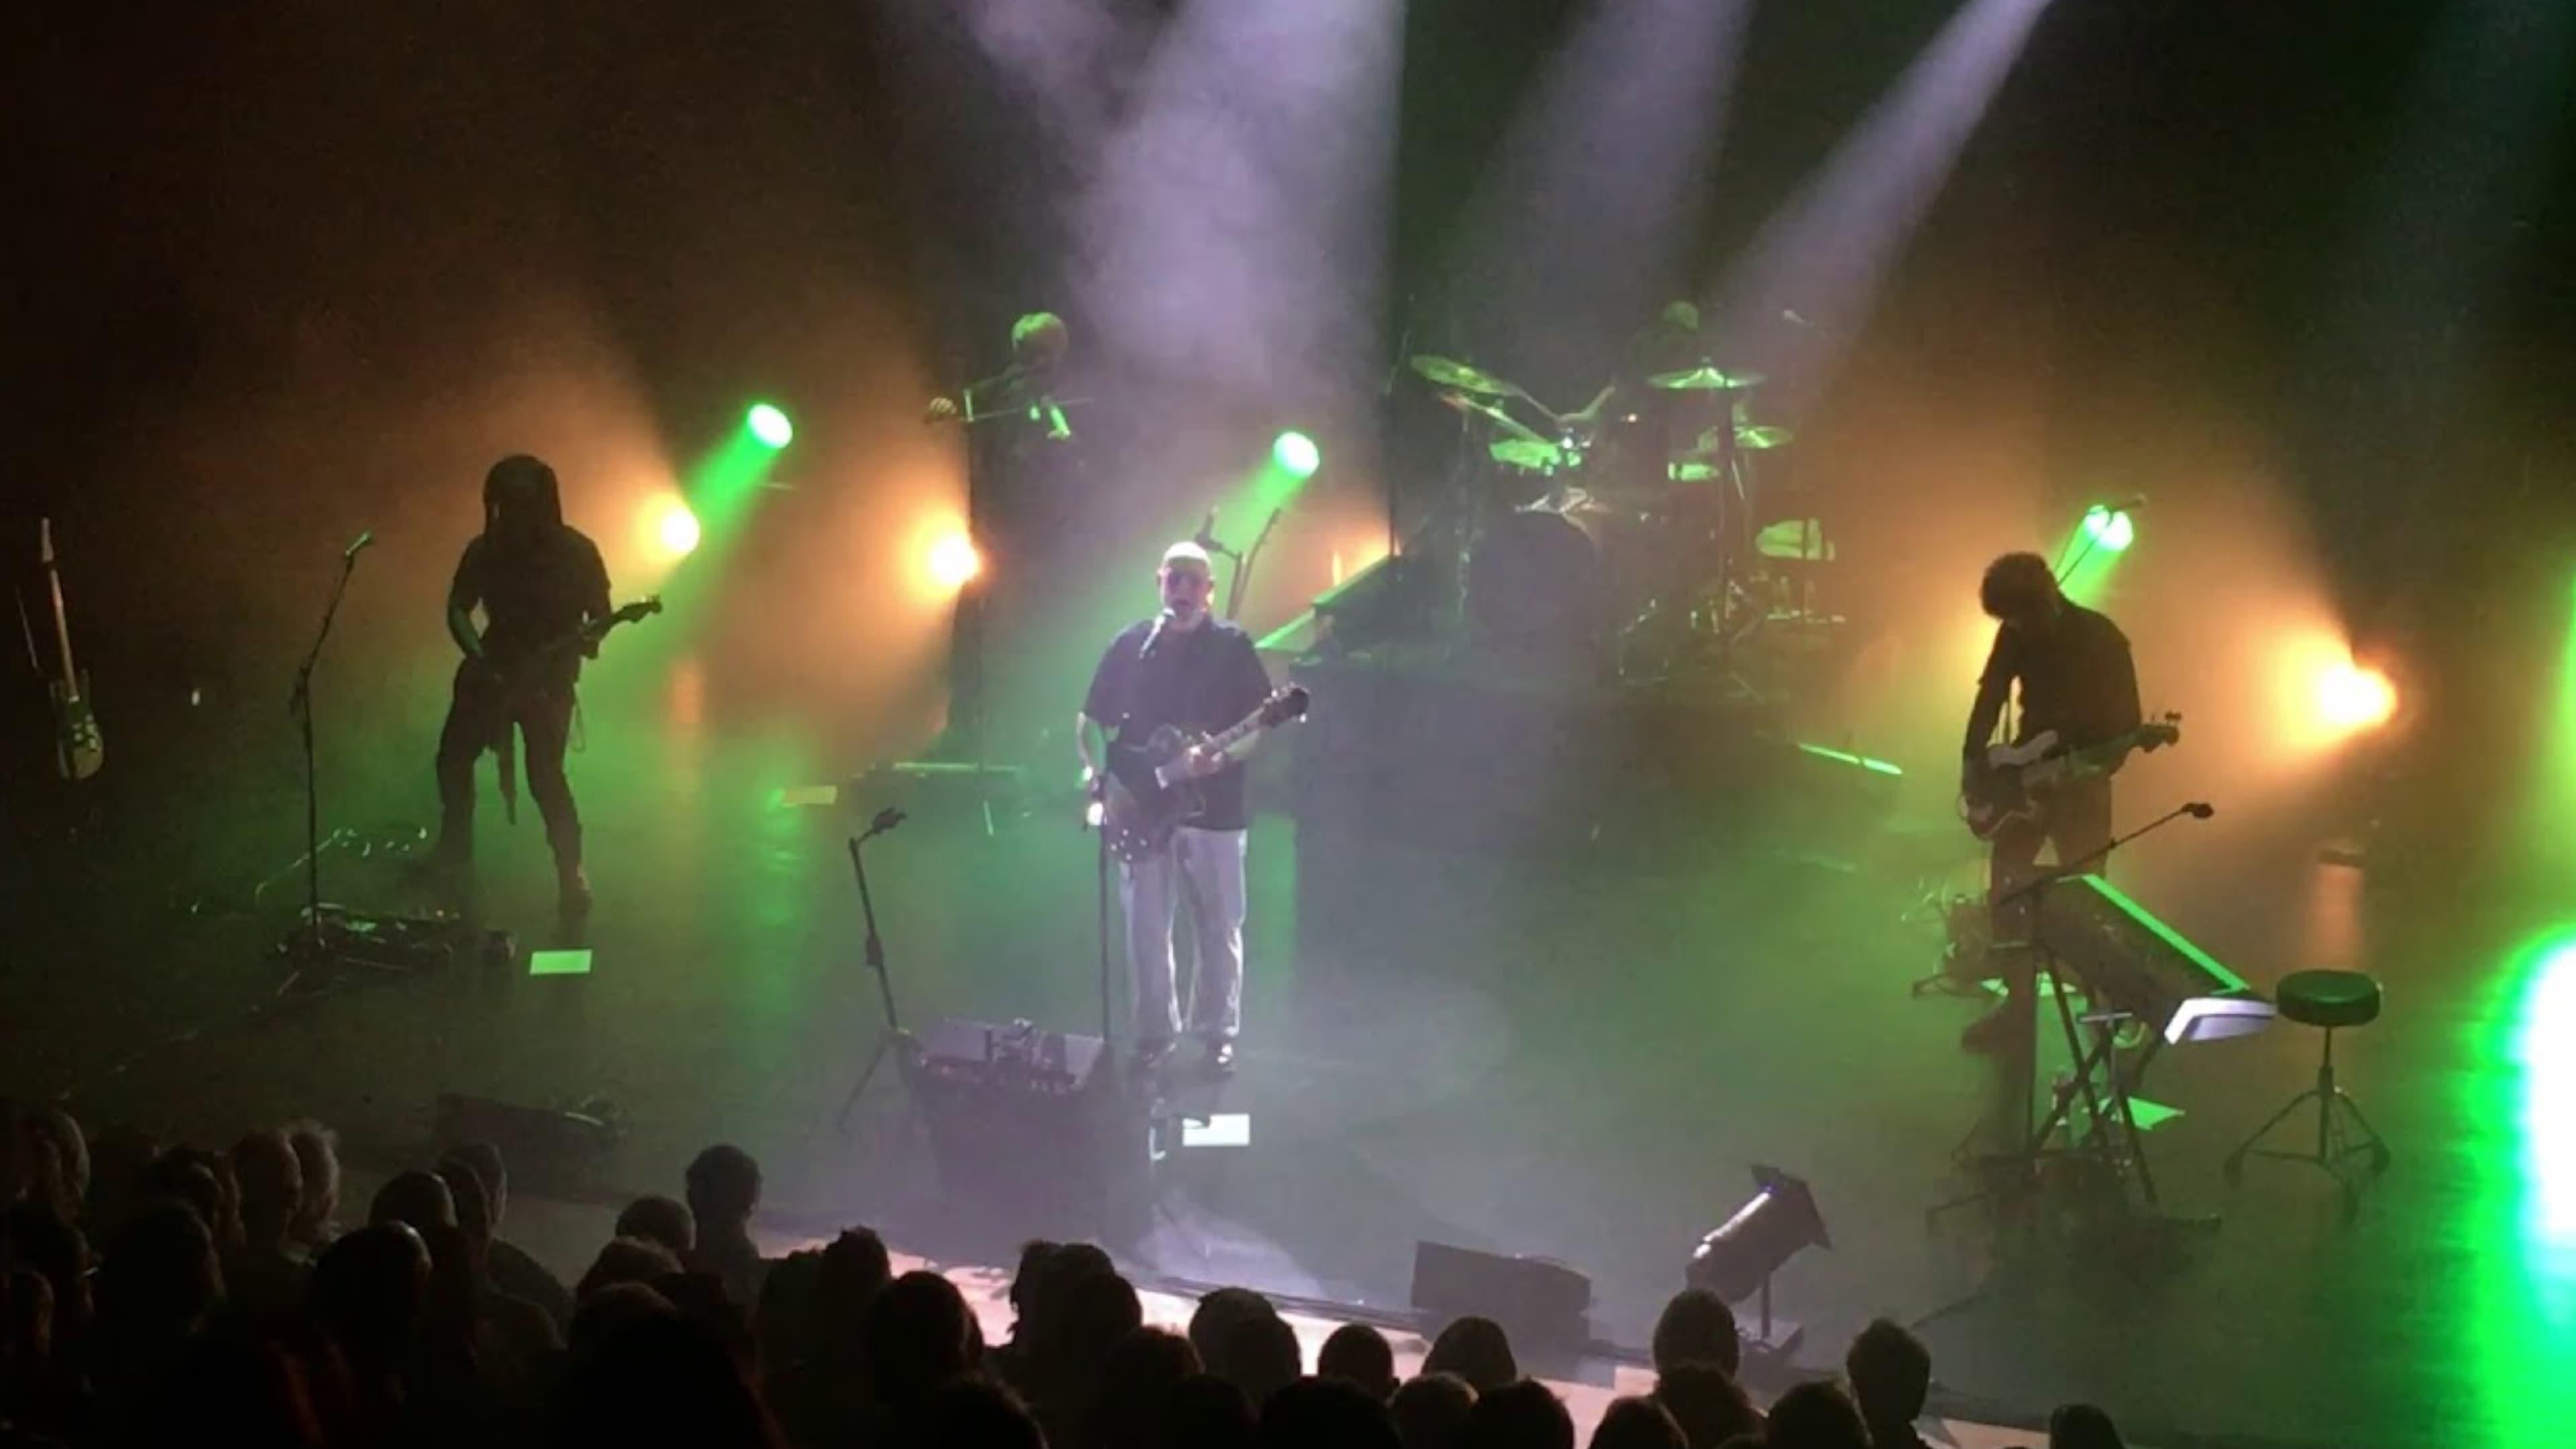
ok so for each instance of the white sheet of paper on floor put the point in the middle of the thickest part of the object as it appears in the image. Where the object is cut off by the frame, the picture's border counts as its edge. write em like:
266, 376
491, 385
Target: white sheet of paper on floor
1217, 1129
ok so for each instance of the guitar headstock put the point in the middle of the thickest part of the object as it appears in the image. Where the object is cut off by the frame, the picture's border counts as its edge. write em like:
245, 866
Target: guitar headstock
643, 608
1285, 705
2166, 731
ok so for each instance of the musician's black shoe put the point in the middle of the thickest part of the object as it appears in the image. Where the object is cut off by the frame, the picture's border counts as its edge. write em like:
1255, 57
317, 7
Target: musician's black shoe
1152, 1052
572, 893
1220, 1056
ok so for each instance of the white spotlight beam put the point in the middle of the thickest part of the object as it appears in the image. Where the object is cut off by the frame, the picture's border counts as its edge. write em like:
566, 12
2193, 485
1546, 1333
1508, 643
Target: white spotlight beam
1578, 232
1824, 256
1234, 234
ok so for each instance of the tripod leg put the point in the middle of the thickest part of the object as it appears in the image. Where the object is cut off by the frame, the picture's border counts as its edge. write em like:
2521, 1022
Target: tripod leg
885, 1040
2236, 1159
2378, 1146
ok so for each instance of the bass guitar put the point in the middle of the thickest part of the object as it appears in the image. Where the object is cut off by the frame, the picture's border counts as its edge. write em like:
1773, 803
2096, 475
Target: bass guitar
2015, 781
79, 748
1147, 792
499, 695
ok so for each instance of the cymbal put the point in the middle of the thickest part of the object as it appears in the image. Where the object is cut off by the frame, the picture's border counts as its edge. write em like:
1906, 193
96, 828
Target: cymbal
1449, 373
1536, 455
1492, 414
1705, 379
1762, 439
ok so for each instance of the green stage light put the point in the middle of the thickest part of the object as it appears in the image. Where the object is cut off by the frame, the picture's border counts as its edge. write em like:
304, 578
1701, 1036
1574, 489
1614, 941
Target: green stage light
770, 426
1296, 455
2109, 528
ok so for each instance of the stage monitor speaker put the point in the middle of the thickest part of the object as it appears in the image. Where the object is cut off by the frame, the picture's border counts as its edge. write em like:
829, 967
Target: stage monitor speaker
1538, 1302
1027, 1123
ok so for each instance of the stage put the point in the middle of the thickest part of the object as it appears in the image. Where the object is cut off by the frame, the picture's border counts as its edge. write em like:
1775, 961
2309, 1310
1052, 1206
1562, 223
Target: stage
1576, 1053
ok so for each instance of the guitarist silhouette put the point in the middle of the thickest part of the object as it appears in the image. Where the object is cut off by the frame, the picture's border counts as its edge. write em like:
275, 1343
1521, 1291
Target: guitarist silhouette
2078, 682
539, 584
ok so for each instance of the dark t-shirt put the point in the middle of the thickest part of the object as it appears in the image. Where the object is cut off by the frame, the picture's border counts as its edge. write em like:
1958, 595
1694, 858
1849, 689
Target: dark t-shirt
2076, 678
533, 592
1201, 680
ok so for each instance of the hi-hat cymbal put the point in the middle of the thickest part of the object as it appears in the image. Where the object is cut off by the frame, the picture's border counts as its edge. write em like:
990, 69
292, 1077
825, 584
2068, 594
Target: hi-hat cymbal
1705, 379
1760, 439
1450, 373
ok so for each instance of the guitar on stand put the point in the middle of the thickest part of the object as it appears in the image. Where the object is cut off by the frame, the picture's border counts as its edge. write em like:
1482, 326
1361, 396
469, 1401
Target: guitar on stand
1146, 793
2016, 780
79, 747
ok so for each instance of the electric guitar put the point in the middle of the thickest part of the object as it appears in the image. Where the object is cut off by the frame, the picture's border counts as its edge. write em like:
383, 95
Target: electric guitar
2015, 781
79, 747
504, 691
1147, 792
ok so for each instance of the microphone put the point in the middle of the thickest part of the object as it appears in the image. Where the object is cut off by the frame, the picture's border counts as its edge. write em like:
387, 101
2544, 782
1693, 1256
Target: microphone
1205, 538
887, 819
1154, 635
2200, 810
358, 545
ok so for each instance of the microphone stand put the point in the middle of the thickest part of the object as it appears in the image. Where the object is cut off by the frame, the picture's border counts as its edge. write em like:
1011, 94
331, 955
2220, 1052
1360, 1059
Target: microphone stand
1243, 563
2028, 1153
876, 962
300, 704
2025, 1067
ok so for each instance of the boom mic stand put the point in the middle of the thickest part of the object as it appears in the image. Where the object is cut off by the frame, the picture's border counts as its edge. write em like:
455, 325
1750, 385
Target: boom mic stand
2029, 1144
310, 947
886, 819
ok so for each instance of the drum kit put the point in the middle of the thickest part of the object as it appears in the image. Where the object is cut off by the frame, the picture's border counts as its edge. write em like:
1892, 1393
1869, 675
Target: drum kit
1636, 525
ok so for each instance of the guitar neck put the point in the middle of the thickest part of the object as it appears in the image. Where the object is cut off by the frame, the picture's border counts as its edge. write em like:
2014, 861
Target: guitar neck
62, 626
1242, 730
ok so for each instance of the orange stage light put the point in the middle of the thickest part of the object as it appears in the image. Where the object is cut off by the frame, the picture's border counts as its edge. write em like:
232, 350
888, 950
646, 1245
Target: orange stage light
953, 561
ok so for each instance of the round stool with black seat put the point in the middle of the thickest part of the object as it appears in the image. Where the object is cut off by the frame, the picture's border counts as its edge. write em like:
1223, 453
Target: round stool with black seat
2327, 1000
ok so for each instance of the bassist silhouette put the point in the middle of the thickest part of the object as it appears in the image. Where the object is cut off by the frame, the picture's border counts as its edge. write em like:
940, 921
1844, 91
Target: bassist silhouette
537, 581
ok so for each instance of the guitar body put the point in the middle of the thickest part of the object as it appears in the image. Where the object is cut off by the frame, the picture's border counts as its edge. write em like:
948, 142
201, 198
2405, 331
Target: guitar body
1145, 796
1140, 806
2016, 780
498, 696
79, 746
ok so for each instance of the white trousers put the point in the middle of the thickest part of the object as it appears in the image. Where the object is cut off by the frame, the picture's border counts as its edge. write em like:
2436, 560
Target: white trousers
1206, 865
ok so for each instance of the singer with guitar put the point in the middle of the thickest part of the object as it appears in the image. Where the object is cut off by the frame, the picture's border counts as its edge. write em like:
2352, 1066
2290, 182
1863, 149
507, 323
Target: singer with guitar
2076, 680
537, 581
1189, 670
